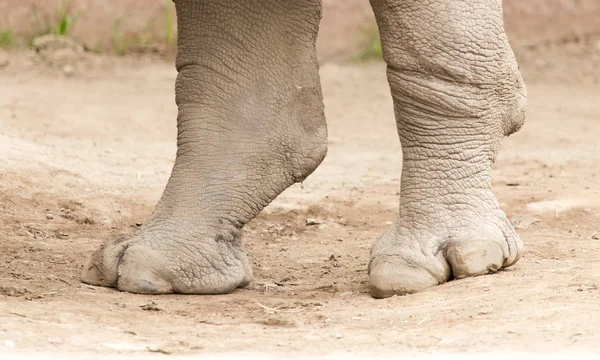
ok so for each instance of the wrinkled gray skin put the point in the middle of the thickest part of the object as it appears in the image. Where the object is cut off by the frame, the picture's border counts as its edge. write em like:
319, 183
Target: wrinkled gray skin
251, 124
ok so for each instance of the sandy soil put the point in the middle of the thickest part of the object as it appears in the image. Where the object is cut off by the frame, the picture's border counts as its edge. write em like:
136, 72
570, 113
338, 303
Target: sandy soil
84, 157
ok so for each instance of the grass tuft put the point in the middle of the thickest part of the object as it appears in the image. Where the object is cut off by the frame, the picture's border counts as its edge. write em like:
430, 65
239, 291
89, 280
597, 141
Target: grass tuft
371, 49
7, 39
118, 42
170, 33
159, 35
60, 23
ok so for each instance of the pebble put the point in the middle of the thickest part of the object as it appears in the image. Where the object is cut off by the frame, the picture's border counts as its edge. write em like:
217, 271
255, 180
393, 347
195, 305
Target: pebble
68, 70
311, 221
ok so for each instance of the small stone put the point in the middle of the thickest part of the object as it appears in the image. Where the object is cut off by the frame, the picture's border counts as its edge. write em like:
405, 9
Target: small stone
55, 341
151, 306
54, 42
49, 216
155, 349
68, 70
312, 221
337, 335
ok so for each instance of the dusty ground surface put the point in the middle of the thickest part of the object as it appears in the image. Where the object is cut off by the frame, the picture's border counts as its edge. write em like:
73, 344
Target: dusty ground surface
84, 158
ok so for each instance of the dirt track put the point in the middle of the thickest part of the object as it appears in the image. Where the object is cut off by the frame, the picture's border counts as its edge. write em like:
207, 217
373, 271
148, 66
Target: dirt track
84, 158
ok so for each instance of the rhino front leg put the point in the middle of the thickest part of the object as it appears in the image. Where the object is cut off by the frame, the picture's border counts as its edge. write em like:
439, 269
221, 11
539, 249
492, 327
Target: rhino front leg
250, 124
457, 92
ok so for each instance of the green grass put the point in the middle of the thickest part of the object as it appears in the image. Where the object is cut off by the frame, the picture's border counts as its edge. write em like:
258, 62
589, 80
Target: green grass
119, 44
153, 38
60, 23
371, 48
170, 34
7, 39
158, 36
64, 20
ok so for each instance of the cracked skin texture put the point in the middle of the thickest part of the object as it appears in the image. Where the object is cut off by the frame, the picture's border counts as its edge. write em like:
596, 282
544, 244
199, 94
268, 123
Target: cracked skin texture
251, 124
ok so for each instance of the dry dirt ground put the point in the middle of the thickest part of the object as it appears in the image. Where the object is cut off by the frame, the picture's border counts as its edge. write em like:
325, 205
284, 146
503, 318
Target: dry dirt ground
85, 157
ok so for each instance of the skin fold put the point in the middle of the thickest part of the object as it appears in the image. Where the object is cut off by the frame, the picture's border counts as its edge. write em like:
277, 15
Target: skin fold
251, 124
